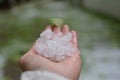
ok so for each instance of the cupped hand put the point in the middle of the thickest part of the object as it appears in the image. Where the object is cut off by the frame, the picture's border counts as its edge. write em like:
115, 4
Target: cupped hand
69, 68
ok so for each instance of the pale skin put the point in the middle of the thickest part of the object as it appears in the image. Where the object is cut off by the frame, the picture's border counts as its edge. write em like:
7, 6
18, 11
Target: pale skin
69, 68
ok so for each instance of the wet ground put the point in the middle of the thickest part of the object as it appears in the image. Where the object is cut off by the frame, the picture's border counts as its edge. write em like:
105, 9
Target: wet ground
98, 37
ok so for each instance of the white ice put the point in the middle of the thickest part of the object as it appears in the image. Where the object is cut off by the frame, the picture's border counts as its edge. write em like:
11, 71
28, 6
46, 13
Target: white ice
55, 46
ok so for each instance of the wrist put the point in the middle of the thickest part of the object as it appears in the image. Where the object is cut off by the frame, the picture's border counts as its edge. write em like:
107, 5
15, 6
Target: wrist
41, 75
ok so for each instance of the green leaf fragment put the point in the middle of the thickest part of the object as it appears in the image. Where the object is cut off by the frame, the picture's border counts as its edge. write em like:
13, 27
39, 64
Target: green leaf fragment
56, 21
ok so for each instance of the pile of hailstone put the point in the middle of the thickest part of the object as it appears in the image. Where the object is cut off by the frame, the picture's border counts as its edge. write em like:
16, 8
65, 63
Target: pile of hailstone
54, 46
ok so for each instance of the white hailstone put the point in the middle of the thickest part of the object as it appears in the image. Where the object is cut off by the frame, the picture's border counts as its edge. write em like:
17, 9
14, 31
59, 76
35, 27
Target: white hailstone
55, 46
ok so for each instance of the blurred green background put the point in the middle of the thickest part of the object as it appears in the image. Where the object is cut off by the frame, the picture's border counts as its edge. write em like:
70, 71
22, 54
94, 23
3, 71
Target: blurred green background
21, 22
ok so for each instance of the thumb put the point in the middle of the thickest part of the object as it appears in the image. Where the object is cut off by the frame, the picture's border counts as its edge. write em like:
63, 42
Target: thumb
32, 50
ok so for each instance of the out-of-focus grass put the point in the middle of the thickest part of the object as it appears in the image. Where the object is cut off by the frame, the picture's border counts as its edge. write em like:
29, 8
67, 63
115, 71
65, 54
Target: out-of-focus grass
112, 25
16, 37
15, 29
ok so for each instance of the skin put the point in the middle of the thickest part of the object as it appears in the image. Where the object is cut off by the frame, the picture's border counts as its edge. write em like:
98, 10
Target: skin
69, 68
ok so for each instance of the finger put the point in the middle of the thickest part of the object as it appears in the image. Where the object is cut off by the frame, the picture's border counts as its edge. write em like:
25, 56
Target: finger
56, 29
34, 62
48, 27
32, 50
65, 29
74, 39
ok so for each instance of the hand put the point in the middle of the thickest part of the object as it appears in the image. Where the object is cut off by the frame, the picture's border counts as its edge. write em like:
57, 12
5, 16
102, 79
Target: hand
69, 68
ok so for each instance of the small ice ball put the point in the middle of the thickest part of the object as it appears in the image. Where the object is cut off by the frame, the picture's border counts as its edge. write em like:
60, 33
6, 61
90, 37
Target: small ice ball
55, 46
